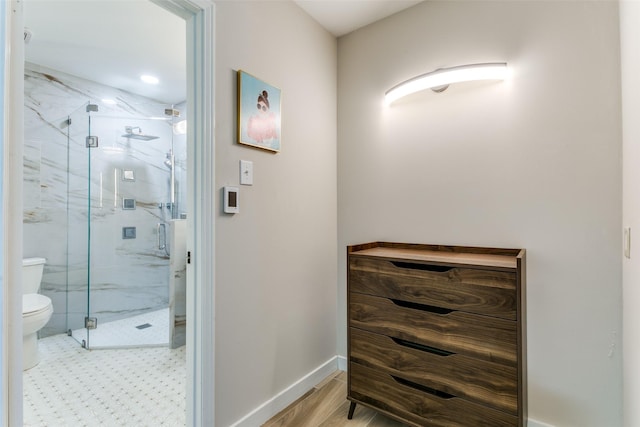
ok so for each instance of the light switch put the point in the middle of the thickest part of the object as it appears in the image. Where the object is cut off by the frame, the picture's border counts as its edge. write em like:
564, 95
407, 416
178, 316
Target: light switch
246, 172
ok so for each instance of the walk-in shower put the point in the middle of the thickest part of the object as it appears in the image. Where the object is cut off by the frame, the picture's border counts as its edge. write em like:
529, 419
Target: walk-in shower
130, 196
97, 194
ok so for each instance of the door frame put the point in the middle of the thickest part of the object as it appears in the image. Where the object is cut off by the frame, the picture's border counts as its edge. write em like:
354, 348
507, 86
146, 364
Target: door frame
13, 138
199, 16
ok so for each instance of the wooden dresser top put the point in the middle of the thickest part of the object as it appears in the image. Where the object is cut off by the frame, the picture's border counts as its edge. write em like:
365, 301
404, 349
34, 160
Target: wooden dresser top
436, 254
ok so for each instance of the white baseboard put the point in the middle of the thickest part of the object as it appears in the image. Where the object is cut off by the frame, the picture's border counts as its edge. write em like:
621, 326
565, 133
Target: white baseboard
534, 423
287, 396
342, 363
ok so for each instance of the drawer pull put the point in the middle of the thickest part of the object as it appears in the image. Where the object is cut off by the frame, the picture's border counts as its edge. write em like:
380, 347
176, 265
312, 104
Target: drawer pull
426, 267
421, 347
423, 388
423, 307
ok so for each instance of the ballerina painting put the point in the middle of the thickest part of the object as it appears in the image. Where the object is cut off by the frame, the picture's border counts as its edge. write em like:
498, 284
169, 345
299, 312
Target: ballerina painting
258, 113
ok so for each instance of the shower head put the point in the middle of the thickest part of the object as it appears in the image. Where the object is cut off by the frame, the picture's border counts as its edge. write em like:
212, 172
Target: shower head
134, 132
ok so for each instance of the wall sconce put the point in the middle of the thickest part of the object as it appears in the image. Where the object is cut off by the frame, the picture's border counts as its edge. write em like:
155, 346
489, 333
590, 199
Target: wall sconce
440, 79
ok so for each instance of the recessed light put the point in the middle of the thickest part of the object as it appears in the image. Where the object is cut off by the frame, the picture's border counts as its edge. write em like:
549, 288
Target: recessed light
152, 80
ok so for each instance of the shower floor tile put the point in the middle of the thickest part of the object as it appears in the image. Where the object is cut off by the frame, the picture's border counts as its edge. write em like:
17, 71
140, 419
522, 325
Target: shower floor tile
72, 386
129, 332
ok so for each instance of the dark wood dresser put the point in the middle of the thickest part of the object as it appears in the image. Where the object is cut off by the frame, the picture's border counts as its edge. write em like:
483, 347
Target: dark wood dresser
436, 334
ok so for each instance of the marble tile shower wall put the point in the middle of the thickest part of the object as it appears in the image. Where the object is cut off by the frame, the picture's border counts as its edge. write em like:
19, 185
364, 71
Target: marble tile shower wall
126, 276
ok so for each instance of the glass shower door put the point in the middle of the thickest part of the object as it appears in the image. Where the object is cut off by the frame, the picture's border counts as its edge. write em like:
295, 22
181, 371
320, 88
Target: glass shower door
128, 232
78, 210
123, 198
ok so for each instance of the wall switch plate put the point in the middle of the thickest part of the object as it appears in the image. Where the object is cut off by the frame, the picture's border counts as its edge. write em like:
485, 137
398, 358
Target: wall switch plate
246, 172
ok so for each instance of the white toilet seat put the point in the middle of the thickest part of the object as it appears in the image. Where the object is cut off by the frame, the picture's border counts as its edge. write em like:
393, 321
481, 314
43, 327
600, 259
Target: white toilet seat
34, 304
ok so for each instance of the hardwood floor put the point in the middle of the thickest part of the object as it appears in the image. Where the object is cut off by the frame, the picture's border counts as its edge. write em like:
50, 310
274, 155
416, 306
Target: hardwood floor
326, 405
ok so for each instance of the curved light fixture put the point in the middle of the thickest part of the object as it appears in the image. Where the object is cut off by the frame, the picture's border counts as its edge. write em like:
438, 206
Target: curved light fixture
440, 79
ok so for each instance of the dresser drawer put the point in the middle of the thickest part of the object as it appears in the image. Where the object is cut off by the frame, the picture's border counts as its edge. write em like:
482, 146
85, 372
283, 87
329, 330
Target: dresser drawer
487, 338
473, 290
419, 405
486, 383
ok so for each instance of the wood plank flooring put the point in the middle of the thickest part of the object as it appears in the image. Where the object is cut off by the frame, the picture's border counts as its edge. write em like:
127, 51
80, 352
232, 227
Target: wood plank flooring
326, 405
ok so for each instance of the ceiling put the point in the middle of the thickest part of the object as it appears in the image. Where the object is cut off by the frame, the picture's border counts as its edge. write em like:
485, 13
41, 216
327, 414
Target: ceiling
110, 42
115, 41
341, 17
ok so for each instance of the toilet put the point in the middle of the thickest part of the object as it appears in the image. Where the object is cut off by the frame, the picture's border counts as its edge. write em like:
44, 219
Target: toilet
36, 310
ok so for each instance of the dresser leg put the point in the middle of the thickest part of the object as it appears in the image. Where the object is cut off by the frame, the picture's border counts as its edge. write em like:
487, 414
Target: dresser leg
352, 407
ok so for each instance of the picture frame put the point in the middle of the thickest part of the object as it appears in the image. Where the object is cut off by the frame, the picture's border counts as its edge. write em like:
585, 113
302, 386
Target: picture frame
259, 113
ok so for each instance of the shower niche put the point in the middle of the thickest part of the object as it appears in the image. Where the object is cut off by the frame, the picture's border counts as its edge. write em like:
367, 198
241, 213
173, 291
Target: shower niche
106, 185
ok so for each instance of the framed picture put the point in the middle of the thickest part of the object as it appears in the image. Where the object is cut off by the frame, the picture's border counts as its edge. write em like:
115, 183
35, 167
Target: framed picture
258, 113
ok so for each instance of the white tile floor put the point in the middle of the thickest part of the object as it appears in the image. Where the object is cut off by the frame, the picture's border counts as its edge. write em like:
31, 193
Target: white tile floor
124, 334
74, 387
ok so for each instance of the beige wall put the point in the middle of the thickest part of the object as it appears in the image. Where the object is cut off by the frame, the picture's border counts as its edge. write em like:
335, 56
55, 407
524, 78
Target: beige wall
276, 259
630, 55
534, 162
